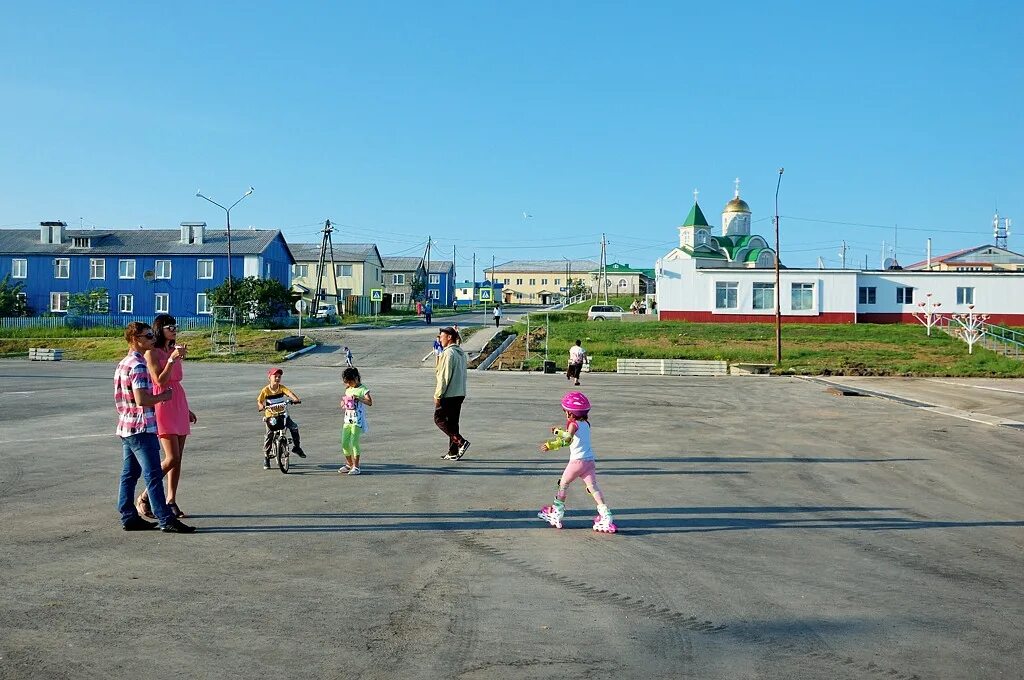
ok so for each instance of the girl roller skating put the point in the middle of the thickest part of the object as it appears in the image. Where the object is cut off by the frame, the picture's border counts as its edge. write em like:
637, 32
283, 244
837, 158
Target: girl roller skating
576, 436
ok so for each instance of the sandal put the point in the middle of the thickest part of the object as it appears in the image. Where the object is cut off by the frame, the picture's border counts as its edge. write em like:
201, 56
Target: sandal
142, 507
176, 510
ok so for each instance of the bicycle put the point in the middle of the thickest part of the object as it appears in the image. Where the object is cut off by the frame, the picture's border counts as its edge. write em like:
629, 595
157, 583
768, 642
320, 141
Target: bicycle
277, 423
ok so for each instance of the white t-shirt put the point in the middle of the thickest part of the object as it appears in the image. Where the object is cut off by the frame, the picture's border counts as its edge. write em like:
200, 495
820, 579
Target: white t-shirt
579, 448
497, 311
576, 354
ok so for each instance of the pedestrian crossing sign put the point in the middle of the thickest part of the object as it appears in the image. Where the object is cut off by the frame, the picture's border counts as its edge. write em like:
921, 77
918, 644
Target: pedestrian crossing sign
485, 295
376, 295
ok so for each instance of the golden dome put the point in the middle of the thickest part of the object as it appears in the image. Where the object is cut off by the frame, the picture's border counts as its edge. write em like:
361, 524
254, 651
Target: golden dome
737, 205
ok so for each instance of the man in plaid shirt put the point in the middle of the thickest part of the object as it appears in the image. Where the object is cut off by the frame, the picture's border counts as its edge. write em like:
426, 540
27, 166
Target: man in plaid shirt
136, 426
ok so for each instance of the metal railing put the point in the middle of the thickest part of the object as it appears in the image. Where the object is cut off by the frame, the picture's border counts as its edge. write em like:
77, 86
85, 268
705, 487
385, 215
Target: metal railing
999, 339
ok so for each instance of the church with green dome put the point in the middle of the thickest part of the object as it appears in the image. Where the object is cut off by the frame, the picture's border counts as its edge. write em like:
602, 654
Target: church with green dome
734, 247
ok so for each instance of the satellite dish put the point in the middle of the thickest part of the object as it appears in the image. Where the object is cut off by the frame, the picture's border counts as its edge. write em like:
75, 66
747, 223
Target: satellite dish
889, 263
149, 275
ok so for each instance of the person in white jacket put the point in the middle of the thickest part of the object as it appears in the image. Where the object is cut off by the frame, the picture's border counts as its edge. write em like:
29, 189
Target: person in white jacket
450, 392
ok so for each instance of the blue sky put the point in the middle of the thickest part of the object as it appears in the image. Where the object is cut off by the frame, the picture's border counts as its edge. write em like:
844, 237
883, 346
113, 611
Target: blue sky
451, 119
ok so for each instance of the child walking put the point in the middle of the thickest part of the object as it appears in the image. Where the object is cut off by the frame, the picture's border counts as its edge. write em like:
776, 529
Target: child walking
353, 405
576, 436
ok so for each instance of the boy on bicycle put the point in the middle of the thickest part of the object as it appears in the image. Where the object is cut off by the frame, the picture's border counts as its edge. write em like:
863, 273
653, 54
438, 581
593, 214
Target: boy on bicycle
274, 398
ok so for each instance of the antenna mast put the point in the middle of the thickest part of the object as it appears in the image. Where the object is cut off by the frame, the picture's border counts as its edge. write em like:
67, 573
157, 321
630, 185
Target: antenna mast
1001, 230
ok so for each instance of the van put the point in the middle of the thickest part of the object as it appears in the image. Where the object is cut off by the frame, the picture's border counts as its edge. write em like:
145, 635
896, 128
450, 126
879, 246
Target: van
604, 313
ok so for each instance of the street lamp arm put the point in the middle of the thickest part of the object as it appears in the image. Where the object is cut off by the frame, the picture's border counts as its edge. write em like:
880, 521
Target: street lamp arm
247, 193
207, 198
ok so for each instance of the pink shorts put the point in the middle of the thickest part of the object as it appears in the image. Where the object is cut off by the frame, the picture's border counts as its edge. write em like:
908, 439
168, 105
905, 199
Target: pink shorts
581, 469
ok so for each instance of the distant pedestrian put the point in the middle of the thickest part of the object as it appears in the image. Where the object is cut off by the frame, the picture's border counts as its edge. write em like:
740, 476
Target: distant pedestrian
348, 358
497, 315
136, 426
438, 348
577, 357
653, 305
450, 392
428, 311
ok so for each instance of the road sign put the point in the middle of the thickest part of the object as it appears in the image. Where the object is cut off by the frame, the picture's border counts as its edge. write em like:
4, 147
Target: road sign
485, 295
376, 294
301, 306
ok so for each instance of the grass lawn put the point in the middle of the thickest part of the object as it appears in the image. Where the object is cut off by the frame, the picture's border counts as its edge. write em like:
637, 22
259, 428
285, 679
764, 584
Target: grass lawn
812, 349
107, 344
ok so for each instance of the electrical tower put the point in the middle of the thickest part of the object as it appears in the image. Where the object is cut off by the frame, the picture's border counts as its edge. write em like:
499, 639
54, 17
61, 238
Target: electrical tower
326, 244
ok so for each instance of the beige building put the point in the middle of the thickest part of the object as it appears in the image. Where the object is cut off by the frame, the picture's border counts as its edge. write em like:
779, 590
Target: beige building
358, 268
539, 282
978, 259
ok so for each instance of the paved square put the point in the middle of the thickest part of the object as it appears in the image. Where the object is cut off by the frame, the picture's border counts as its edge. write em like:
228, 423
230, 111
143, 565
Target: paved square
768, 530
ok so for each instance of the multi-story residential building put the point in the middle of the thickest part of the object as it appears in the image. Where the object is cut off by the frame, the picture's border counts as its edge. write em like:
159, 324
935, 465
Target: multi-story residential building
441, 283
400, 273
976, 259
144, 271
539, 281
358, 268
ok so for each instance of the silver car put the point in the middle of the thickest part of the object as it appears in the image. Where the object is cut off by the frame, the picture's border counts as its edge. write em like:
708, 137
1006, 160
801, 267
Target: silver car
604, 313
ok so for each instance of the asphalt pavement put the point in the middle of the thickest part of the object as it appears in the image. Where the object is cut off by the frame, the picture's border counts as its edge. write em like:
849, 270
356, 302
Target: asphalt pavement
768, 529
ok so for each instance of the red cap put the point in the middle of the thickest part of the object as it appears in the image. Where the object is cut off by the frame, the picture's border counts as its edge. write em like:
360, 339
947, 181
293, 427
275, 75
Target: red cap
273, 371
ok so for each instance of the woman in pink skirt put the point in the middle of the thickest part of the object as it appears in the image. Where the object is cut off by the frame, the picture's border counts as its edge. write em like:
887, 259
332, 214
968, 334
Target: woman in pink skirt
173, 417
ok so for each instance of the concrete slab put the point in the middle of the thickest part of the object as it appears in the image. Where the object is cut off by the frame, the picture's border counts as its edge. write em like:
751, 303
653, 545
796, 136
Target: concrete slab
769, 530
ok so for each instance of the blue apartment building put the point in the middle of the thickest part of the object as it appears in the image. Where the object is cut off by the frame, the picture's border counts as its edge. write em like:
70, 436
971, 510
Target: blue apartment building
468, 293
441, 283
144, 271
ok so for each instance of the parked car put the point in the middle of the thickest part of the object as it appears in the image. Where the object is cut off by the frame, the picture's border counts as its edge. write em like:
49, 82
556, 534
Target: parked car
604, 313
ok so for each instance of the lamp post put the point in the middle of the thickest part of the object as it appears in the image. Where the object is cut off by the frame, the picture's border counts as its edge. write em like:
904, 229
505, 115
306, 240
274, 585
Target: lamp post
227, 212
778, 286
568, 280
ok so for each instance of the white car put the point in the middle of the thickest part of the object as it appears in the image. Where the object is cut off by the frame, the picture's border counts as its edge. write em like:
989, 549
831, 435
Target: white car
604, 313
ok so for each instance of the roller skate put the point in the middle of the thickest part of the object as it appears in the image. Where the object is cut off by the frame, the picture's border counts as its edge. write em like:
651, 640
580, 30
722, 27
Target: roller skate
603, 522
552, 514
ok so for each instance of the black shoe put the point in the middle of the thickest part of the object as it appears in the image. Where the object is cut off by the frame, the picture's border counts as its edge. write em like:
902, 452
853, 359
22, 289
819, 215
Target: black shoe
297, 450
176, 526
138, 524
266, 463
462, 449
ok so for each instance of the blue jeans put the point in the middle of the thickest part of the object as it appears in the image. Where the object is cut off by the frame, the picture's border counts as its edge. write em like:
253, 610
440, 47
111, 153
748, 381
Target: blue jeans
141, 457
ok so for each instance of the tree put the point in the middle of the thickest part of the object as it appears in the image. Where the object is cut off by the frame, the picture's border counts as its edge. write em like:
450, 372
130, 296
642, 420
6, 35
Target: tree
255, 298
577, 287
12, 298
418, 287
94, 301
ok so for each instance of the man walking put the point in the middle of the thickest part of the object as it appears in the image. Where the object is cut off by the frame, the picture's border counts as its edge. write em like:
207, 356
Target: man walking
450, 392
577, 356
136, 426
497, 315
428, 311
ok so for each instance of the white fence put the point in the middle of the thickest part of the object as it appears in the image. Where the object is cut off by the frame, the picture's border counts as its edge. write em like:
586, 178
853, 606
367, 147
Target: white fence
187, 323
670, 367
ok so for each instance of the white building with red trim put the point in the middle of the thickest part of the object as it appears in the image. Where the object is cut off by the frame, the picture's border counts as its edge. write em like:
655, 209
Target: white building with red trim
731, 278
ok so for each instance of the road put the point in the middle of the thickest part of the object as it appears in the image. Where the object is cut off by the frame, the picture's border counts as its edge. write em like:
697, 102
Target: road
768, 530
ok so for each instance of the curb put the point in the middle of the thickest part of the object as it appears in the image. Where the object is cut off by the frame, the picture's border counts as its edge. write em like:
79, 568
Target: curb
300, 352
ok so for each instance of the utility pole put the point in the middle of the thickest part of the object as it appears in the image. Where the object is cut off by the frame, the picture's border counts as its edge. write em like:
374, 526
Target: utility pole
842, 254
472, 299
604, 268
426, 288
325, 245
778, 282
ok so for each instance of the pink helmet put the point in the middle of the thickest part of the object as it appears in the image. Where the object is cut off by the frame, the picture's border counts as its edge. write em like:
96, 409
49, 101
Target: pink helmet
576, 403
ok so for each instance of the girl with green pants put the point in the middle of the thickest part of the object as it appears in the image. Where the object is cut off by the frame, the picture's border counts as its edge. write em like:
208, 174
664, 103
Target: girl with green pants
353, 405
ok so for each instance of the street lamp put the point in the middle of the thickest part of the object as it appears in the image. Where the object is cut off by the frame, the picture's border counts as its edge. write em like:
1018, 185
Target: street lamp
227, 212
778, 286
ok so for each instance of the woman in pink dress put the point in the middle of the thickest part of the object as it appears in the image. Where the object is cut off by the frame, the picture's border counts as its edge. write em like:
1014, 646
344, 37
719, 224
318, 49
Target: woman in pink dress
173, 417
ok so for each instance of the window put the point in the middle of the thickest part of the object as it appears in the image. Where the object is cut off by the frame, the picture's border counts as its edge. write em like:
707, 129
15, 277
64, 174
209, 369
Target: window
764, 296
301, 270
80, 242
125, 303
803, 296
162, 304
702, 236
726, 295
97, 268
519, 296
558, 282
533, 282
343, 270
435, 279
508, 281
543, 282
904, 295
398, 279
126, 269
61, 268
345, 293
19, 269
203, 302
519, 282
965, 295
867, 295
204, 270
398, 298
58, 302
435, 294
623, 283
163, 269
